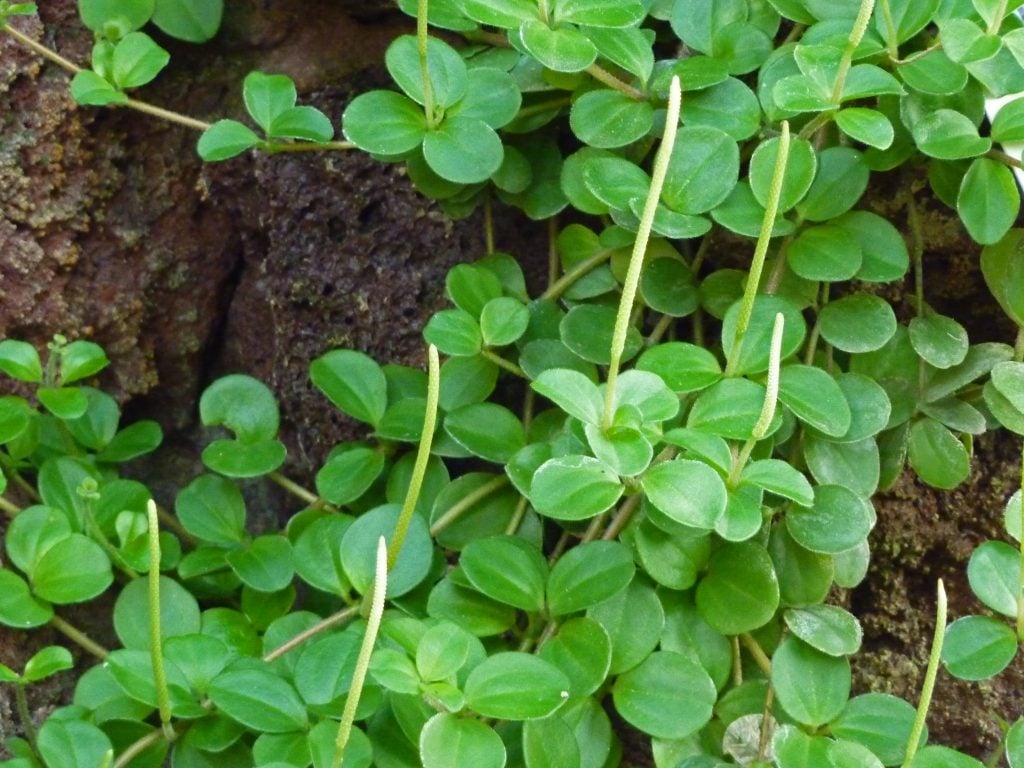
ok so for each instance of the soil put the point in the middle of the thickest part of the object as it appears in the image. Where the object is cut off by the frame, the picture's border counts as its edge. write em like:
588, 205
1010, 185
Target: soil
111, 229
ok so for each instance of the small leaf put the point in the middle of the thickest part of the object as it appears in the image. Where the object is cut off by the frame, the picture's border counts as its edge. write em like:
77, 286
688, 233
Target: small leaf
19, 360
259, 699
515, 686
19, 608
778, 477
978, 647
265, 565
826, 628
89, 89
949, 135
225, 139
989, 200
588, 574
450, 741
867, 126
574, 488
857, 322
940, 341
384, 123
838, 520
244, 405
879, 721
487, 430
811, 687
179, 613
212, 509
800, 170
1003, 268
607, 119
935, 453
73, 744
463, 149
307, 123
647, 696
137, 60
354, 382
563, 50
235, 458
572, 392
993, 572
267, 97
740, 591
73, 570
689, 492
506, 569
815, 398
194, 21
446, 70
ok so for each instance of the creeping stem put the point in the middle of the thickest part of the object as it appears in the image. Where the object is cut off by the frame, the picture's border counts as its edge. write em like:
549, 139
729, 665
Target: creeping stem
643, 235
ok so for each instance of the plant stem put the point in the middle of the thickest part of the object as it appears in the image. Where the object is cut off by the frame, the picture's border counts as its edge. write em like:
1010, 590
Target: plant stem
917, 257
929, 678
488, 224
348, 716
12, 510
166, 114
333, 620
307, 146
553, 263
562, 284
419, 469
295, 489
501, 362
517, 517
760, 250
466, 503
860, 26
603, 75
643, 235
79, 637
1004, 158
24, 714
421, 45
155, 641
997, 18
140, 746
757, 653
622, 517
42, 50
1020, 578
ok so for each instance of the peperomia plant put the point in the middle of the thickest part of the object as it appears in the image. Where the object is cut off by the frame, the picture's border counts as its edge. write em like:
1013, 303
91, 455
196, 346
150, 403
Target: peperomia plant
650, 517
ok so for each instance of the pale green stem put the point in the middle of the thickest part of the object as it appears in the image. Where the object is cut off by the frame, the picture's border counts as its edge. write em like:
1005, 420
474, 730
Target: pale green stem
140, 746
603, 75
929, 678
466, 503
308, 146
997, 19
757, 653
892, 42
42, 50
324, 624
419, 469
79, 637
421, 40
761, 249
562, 284
166, 114
501, 362
771, 400
12, 510
1020, 577
643, 235
25, 715
348, 716
155, 642
294, 488
860, 26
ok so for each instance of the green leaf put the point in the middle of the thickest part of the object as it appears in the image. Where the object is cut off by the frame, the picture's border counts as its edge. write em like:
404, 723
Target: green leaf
989, 200
949, 135
384, 123
96, 427
73, 570
933, 756
1008, 125
934, 73
267, 96
810, 686
503, 321
940, 341
993, 572
487, 430
1002, 265
573, 392
588, 574
778, 477
19, 608
265, 565
885, 256
194, 21
471, 287
668, 286
703, 169
755, 354
815, 398
729, 106
73, 744
47, 662
1015, 745
80, 360
19, 360
354, 382
307, 123
601, 13
324, 668
359, 550
634, 620
235, 458
225, 139
965, 42
582, 650
823, 253
450, 741
683, 367
137, 60
470, 609
879, 721
505, 14
132, 14
550, 743
463, 149
91, 90
630, 48
65, 403
563, 50
838, 520
689, 492
446, 69
259, 699
242, 404
697, 25
179, 613
443, 650
507, 569
615, 181
211, 508
515, 686
935, 453
839, 183
730, 408
800, 170
647, 696
59, 480
33, 531
466, 380
740, 591
867, 126
826, 628
857, 322
981, 358
978, 647
607, 119
587, 330
574, 488
492, 96
854, 465
848, 754
317, 554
